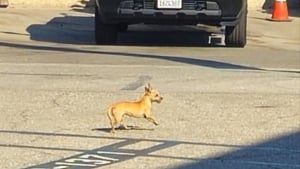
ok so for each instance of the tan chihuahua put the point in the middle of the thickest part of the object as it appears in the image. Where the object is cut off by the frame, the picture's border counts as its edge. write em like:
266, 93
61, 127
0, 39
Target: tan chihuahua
138, 109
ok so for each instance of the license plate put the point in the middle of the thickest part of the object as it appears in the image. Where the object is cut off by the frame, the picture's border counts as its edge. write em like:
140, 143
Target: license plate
169, 4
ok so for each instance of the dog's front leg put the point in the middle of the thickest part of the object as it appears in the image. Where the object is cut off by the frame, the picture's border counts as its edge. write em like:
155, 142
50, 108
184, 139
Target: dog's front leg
151, 119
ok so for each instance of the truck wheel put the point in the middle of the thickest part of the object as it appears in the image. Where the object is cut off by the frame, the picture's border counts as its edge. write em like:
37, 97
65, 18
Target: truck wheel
236, 36
105, 34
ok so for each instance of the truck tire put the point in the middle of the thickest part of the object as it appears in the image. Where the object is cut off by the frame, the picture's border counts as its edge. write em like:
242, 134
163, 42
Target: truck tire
105, 34
236, 36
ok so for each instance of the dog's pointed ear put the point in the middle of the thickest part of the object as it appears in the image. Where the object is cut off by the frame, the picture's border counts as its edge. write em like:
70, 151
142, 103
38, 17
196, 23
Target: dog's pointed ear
148, 88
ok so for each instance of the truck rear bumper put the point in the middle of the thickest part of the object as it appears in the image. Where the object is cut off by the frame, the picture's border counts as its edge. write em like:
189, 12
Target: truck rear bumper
154, 13
146, 11
169, 16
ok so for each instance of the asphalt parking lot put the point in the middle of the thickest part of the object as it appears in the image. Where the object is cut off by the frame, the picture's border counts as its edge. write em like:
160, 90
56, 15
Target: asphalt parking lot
223, 107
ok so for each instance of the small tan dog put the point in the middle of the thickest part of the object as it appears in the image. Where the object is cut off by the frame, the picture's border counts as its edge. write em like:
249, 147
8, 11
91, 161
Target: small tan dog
138, 109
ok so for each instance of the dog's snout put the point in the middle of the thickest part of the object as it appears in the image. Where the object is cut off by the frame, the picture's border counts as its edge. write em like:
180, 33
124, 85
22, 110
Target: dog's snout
161, 98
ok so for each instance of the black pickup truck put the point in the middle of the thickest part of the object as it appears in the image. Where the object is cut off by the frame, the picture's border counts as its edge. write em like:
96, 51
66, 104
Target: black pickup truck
112, 16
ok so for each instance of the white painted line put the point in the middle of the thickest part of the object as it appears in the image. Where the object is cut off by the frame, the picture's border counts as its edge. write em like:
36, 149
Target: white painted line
74, 164
87, 156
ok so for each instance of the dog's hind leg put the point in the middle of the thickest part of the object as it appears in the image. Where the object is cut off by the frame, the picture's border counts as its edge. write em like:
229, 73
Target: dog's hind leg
111, 118
118, 117
112, 127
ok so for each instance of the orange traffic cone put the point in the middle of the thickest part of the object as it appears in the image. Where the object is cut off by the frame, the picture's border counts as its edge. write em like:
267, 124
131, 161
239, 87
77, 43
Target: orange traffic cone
280, 11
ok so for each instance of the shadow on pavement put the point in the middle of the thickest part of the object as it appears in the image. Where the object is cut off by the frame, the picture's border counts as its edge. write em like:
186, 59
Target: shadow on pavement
80, 30
278, 153
107, 130
282, 152
184, 60
65, 29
